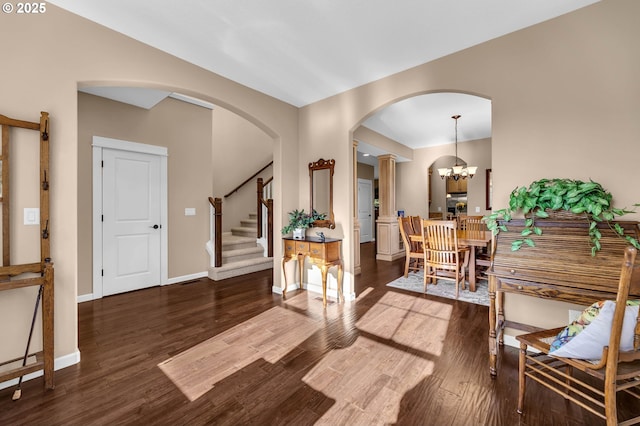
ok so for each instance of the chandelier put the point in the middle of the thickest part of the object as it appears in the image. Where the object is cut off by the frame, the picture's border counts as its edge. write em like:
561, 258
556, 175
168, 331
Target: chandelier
457, 171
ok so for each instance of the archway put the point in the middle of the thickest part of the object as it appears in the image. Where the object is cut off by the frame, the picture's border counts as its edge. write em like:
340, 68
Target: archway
413, 162
193, 132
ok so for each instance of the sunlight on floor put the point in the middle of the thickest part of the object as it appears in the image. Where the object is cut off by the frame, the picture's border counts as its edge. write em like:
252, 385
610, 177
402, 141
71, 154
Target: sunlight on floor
369, 378
402, 318
268, 336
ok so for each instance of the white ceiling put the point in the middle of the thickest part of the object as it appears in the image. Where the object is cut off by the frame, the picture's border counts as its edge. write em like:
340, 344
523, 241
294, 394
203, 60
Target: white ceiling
302, 51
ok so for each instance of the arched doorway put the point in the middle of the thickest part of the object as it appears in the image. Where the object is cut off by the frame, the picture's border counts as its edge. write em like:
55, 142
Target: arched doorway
419, 132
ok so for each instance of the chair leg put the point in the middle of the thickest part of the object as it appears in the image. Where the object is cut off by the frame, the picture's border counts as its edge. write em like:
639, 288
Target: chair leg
521, 377
569, 372
610, 409
406, 266
427, 271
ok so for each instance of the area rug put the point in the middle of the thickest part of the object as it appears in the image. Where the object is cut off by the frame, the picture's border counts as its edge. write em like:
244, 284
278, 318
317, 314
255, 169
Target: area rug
444, 289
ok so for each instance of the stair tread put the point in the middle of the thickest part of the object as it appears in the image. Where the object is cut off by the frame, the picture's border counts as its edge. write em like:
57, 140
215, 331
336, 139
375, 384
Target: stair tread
234, 239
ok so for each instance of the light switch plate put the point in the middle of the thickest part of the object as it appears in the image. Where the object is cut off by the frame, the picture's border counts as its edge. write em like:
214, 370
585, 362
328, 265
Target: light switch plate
32, 216
190, 211
477, 209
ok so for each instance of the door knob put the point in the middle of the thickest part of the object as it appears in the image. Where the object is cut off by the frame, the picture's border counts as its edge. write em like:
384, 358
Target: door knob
155, 226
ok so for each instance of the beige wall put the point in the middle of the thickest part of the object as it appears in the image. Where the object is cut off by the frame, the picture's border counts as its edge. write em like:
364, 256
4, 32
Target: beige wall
564, 104
185, 130
365, 171
50, 58
239, 150
412, 181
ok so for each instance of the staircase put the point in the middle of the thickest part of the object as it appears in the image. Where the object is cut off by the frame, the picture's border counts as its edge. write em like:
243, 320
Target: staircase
241, 254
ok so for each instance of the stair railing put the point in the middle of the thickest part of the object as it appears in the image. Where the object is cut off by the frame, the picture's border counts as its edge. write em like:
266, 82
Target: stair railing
265, 213
215, 247
248, 180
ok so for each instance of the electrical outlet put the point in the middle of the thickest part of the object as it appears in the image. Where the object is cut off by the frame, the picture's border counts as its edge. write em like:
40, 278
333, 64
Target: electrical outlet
439, 208
190, 211
477, 209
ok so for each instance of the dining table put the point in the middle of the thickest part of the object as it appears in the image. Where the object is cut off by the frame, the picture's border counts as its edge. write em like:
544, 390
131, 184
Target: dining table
473, 240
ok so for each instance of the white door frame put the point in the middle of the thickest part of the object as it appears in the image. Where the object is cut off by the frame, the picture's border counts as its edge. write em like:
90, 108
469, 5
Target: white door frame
370, 204
100, 143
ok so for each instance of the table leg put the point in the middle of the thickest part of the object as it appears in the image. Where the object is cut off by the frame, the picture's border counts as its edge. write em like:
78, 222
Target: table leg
340, 290
493, 349
301, 268
284, 272
472, 268
324, 269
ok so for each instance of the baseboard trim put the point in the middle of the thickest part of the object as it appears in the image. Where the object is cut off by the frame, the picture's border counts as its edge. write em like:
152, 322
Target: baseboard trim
85, 298
89, 297
58, 364
189, 277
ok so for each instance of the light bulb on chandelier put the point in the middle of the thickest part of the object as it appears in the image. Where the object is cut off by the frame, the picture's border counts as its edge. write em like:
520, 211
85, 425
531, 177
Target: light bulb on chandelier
457, 171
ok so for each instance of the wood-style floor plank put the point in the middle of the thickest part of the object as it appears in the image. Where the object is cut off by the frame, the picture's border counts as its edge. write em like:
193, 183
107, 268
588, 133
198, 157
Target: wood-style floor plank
233, 353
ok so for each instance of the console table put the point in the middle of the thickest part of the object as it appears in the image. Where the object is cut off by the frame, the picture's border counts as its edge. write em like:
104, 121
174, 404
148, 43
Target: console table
323, 253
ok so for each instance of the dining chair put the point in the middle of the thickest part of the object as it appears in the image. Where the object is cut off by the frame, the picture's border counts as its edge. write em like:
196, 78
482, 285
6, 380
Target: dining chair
443, 258
413, 249
617, 369
463, 219
416, 224
475, 224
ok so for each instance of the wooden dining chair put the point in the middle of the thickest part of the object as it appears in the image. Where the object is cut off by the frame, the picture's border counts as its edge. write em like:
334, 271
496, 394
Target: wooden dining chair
443, 258
616, 370
416, 224
413, 249
464, 219
475, 224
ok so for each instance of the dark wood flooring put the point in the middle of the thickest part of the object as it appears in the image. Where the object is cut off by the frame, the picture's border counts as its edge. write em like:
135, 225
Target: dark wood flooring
347, 371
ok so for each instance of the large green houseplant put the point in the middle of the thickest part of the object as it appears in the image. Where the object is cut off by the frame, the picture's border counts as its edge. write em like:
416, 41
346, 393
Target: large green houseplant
587, 199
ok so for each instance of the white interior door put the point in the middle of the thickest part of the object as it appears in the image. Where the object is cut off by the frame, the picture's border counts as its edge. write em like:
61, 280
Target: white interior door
131, 227
365, 209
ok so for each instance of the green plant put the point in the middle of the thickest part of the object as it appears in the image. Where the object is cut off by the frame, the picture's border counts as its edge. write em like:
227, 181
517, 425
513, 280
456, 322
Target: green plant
302, 220
589, 199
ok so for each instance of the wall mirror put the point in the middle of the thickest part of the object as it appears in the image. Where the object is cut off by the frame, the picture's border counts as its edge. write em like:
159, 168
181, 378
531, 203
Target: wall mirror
321, 191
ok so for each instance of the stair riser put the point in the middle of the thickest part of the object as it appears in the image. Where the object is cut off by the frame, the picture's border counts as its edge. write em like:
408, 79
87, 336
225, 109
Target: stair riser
244, 233
230, 258
237, 246
217, 274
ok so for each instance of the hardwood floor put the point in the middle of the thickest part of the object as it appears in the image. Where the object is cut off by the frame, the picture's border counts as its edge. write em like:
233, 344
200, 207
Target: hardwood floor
231, 352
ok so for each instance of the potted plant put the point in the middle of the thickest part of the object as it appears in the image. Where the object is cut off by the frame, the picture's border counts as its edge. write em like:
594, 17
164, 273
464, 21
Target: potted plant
587, 200
299, 221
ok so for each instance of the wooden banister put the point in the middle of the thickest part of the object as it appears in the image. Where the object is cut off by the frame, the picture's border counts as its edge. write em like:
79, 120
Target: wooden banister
249, 179
269, 205
217, 207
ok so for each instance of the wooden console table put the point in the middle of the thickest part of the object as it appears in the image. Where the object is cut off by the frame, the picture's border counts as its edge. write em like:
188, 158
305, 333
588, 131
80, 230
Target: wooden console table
324, 254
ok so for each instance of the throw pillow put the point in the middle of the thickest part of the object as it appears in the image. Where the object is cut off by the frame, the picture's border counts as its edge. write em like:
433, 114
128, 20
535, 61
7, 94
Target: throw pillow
587, 338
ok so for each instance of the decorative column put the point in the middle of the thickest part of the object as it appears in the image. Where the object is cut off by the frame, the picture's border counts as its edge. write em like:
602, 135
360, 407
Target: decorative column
388, 238
356, 223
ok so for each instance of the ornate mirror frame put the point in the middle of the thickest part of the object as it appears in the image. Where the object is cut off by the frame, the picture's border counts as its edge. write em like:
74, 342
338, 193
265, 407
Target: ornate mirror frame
323, 188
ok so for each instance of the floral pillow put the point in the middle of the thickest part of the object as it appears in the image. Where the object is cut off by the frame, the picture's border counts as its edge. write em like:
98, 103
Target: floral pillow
586, 336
